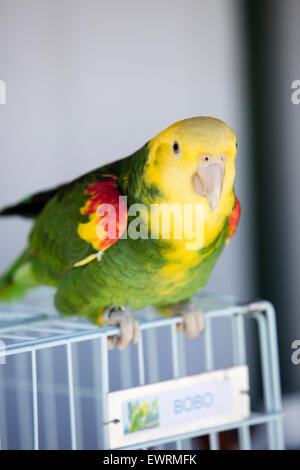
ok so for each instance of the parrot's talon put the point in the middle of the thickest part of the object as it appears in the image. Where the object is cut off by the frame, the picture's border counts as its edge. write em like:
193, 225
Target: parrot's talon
193, 322
129, 327
99, 255
193, 318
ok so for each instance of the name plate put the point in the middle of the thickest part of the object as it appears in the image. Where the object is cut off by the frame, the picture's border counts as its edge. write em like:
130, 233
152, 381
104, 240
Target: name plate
174, 407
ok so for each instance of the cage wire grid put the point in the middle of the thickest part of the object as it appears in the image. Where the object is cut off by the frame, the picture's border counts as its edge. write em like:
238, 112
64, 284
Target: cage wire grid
31, 333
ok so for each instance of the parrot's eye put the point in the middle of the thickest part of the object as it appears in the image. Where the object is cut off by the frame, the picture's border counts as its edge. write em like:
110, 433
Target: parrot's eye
176, 149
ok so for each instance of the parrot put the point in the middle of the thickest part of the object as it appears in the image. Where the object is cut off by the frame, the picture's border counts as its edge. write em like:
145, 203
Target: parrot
104, 278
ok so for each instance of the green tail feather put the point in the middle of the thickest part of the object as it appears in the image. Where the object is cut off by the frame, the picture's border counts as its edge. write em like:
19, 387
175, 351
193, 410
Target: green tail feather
17, 279
12, 291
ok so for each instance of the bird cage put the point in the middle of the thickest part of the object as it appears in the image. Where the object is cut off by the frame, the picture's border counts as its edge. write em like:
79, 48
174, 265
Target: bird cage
56, 374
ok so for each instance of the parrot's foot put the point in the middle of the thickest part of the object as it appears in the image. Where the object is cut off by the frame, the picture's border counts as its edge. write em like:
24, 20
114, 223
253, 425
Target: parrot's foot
193, 323
193, 318
129, 327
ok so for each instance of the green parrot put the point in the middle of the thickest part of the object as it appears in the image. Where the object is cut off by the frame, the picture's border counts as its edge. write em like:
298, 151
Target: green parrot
101, 240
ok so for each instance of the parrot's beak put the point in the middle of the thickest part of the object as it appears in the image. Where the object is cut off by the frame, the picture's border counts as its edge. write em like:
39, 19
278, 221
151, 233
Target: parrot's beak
208, 180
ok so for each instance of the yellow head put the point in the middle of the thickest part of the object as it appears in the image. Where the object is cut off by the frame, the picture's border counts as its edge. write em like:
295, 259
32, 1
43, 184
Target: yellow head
193, 162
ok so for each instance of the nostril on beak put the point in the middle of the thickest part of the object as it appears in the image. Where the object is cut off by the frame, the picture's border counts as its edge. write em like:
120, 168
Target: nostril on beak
208, 179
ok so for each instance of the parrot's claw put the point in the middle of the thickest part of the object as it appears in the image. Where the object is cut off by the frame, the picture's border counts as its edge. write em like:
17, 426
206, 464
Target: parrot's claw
129, 327
193, 318
193, 323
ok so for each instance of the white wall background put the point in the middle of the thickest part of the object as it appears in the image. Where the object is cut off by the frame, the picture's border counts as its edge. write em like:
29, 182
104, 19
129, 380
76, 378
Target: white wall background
90, 81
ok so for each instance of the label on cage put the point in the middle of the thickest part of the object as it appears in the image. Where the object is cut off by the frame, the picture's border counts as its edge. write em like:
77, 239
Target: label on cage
174, 407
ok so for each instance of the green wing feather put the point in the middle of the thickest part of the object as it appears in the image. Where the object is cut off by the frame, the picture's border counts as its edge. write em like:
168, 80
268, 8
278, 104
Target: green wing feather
54, 238
54, 245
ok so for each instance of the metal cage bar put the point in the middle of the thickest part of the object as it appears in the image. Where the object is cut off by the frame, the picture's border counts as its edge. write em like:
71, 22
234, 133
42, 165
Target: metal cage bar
71, 396
209, 366
34, 401
104, 389
239, 342
176, 367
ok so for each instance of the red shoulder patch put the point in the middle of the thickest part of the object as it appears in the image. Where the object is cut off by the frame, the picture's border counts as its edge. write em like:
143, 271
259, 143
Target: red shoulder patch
107, 212
233, 219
